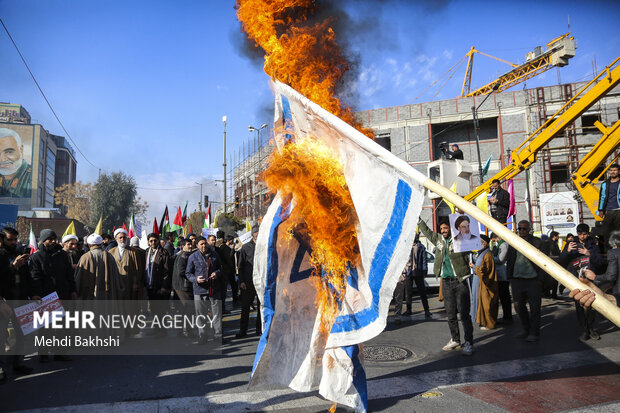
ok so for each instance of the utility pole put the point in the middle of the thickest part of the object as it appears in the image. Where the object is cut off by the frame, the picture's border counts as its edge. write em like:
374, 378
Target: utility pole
224, 164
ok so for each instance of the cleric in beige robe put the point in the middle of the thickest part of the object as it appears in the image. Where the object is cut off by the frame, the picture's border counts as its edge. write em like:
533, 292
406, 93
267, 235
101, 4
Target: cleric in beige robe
488, 289
128, 264
96, 275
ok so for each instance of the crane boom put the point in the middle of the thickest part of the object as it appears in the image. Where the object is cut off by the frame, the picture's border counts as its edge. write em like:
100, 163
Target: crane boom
525, 155
584, 177
558, 52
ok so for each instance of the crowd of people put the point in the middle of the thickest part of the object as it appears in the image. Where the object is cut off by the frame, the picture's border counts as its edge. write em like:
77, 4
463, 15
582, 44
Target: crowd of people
196, 274
475, 284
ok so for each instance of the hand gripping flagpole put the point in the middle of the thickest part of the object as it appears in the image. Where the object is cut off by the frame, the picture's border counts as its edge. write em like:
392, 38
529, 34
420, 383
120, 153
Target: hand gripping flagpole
601, 304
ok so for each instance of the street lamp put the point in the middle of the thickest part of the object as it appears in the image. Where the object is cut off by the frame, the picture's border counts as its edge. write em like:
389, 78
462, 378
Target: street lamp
200, 201
257, 130
224, 163
474, 110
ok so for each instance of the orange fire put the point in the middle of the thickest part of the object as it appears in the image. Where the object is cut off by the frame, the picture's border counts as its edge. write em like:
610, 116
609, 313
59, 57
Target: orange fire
307, 57
323, 216
301, 55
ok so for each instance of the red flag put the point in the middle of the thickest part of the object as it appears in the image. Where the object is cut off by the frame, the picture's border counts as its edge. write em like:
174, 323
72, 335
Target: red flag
177, 224
155, 228
207, 222
124, 227
191, 230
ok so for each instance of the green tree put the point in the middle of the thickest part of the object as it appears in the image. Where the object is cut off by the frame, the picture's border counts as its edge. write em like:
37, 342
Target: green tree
114, 196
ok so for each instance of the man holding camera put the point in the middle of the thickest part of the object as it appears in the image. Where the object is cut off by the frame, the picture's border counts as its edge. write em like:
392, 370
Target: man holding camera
577, 257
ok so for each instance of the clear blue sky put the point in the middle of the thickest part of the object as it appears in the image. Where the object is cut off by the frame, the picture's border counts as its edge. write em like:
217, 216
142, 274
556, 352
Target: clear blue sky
142, 86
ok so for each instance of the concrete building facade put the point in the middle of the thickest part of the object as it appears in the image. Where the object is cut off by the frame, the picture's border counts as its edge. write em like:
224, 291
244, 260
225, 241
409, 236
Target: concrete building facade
414, 133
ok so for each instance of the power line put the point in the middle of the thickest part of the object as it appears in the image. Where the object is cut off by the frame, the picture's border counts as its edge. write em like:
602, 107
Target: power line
45, 97
167, 189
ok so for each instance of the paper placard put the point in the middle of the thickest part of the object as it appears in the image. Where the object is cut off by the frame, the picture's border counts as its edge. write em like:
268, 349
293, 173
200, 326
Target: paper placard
25, 316
209, 231
245, 237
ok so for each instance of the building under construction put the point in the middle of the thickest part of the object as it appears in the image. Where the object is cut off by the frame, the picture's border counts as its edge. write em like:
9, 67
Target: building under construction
556, 127
506, 119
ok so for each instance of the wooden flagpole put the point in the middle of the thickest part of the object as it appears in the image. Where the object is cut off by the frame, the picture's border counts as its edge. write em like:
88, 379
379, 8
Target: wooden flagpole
601, 304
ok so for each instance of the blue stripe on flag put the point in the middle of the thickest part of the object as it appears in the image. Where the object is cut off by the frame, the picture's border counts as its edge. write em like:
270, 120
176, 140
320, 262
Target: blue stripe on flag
352, 278
380, 263
269, 299
359, 374
288, 117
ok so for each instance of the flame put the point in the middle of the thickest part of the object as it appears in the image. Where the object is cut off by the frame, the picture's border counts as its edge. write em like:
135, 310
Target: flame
302, 55
333, 407
306, 56
324, 217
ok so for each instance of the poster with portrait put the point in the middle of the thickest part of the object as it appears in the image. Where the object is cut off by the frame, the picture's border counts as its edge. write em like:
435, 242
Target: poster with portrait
15, 161
560, 212
465, 233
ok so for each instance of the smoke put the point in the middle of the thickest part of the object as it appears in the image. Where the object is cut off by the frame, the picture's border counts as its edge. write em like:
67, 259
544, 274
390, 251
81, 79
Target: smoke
363, 29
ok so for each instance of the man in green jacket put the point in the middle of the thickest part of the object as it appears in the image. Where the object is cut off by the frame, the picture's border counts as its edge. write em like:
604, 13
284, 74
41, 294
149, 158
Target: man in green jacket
453, 268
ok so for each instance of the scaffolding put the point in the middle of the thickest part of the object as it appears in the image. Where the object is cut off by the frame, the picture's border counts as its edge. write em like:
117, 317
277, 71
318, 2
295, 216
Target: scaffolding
250, 195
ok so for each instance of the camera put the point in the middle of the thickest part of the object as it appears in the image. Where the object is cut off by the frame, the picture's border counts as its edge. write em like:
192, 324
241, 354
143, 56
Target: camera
443, 146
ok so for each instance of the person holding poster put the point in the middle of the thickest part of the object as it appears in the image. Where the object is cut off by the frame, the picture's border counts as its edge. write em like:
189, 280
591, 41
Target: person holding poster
453, 268
466, 237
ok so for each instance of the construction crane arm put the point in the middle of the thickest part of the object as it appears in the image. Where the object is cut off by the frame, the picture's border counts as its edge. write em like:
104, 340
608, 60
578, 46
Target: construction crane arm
585, 177
525, 155
559, 50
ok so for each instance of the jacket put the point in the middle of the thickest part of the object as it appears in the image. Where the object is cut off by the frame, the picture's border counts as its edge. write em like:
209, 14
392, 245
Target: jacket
573, 260
511, 257
246, 264
459, 260
421, 261
197, 265
604, 195
503, 202
7, 276
179, 280
161, 273
610, 279
500, 253
51, 270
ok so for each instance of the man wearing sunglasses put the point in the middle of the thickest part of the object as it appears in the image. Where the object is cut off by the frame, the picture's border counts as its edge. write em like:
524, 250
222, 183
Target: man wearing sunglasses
526, 282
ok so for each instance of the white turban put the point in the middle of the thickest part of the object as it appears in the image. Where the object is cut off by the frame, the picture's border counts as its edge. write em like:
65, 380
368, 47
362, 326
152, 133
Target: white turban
94, 239
118, 230
134, 242
69, 237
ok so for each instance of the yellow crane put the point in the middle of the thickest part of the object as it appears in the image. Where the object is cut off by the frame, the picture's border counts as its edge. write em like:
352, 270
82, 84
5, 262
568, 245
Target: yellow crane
525, 154
587, 174
558, 52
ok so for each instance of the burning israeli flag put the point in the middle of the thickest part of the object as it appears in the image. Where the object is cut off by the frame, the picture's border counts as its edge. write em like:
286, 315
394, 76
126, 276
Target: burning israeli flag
330, 250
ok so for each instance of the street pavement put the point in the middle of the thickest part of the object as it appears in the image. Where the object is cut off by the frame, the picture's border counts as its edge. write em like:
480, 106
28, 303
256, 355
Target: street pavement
559, 373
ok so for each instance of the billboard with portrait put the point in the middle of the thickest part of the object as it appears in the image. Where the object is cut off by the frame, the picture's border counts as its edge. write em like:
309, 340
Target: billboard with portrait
16, 160
465, 233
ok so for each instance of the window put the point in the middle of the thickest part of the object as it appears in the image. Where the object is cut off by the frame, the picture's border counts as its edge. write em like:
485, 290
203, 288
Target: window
587, 121
430, 257
559, 174
385, 140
